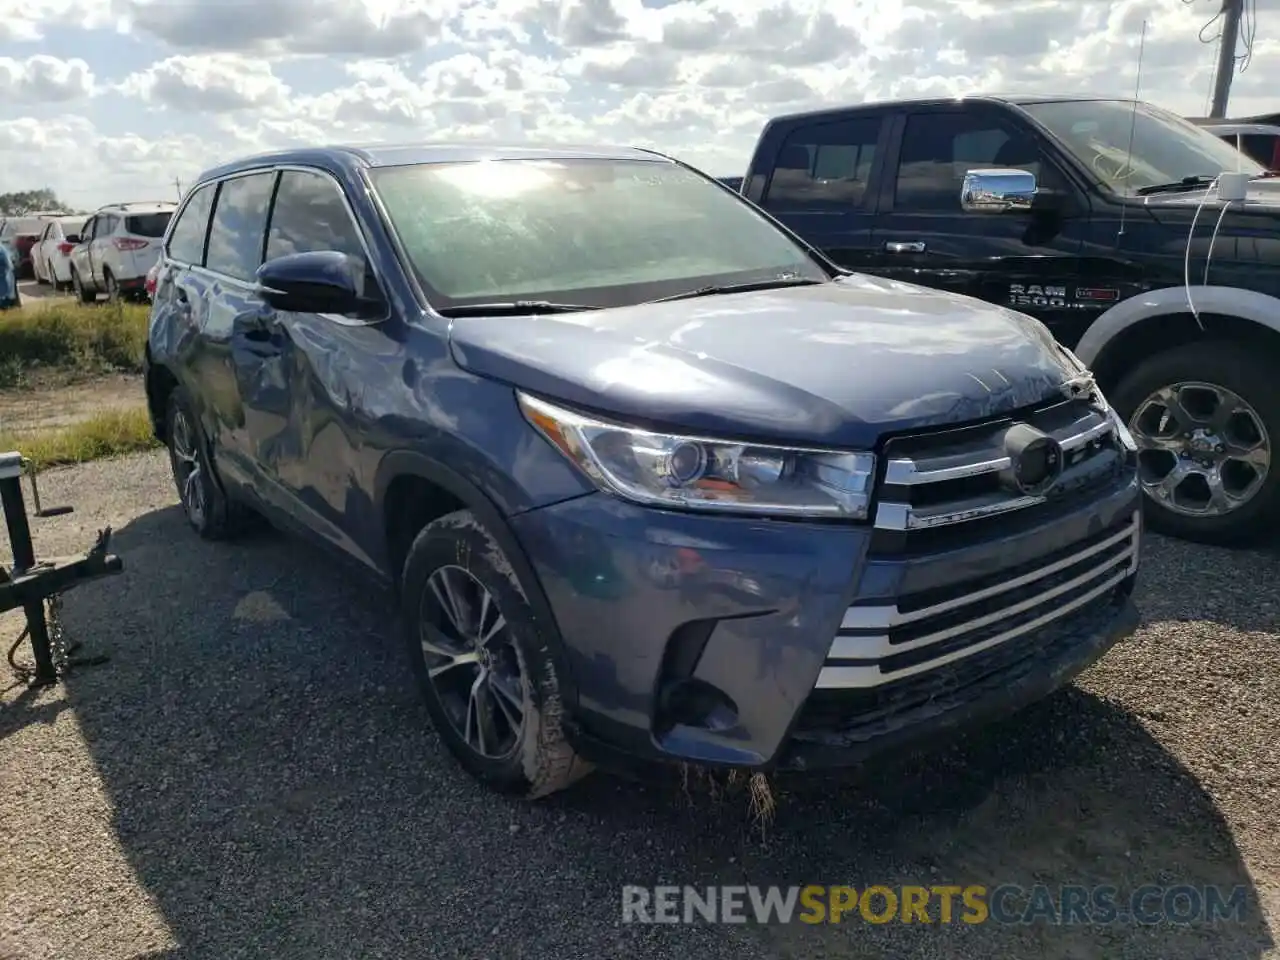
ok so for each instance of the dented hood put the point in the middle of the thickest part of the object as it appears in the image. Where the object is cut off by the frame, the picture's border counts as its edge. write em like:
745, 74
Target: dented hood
838, 364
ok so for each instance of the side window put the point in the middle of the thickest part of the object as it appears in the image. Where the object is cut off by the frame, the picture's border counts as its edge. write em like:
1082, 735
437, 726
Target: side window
826, 166
938, 149
186, 242
89, 229
238, 224
106, 226
310, 215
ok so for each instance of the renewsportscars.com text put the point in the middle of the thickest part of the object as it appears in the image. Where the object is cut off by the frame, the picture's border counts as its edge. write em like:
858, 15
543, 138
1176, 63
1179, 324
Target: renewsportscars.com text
935, 904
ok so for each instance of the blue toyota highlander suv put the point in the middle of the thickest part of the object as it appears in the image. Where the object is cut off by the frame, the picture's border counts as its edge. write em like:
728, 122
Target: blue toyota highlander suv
650, 478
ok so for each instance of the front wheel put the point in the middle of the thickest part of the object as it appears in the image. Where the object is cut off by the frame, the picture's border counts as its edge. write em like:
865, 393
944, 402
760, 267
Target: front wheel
83, 294
1206, 418
483, 661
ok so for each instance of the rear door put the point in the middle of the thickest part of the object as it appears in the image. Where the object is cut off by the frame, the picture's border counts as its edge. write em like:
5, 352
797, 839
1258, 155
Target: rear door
822, 184
1023, 259
242, 376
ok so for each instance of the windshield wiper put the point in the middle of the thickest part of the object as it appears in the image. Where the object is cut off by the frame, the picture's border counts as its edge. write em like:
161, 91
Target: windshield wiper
1186, 183
500, 307
714, 289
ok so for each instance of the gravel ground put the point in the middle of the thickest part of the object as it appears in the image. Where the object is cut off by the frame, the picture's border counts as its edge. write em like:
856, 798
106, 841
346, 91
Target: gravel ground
252, 775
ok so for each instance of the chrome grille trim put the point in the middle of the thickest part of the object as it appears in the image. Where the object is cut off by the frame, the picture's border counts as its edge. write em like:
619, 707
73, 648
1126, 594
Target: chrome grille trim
1103, 576
981, 457
908, 472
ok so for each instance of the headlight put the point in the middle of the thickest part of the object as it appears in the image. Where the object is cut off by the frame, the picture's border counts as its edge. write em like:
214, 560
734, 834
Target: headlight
693, 472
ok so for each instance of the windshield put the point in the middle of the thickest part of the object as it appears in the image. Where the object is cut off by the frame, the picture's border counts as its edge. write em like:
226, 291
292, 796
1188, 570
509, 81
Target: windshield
598, 232
1166, 148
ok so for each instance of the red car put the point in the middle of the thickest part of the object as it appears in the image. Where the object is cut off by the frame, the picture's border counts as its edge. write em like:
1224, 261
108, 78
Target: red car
20, 234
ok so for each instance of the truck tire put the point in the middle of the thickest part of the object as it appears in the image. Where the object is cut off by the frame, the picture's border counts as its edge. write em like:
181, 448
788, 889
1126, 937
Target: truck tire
1206, 418
483, 662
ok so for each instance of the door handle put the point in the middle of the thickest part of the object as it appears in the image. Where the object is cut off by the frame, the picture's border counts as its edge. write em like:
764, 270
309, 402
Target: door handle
915, 246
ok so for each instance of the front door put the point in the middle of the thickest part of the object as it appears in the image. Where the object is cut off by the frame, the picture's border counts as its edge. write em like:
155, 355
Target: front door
1028, 261
80, 258
312, 387
823, 182
104, 230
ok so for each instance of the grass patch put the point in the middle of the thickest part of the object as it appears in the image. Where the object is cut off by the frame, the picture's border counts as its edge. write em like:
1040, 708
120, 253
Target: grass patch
106, 434
73, 339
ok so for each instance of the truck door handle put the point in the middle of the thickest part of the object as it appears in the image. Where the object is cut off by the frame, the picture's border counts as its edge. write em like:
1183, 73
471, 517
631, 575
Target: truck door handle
915, 246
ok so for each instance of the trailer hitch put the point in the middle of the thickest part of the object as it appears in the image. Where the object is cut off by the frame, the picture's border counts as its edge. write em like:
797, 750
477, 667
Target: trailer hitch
30, 583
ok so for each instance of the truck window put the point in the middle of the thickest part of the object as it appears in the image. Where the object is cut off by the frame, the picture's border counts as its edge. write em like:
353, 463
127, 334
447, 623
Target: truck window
938, 149
825, 166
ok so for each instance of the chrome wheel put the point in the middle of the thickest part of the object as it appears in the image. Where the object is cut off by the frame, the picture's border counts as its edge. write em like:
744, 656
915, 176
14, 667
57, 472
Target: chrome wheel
188, 472
471, 662
1203, 450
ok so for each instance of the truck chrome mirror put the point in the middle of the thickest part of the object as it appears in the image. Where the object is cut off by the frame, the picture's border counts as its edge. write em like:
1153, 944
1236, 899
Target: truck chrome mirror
997, 190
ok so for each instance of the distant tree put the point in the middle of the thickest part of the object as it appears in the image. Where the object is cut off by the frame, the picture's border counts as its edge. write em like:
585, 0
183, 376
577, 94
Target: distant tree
22, 202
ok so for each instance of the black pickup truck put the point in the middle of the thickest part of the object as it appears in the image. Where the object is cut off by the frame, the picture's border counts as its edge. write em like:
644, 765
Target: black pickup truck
1100, 218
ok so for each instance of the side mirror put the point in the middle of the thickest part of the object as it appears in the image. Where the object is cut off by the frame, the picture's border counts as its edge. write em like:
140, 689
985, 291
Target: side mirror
997, 190
322, 281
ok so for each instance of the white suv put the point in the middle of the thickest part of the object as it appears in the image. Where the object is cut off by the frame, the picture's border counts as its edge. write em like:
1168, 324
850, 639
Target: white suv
120, 243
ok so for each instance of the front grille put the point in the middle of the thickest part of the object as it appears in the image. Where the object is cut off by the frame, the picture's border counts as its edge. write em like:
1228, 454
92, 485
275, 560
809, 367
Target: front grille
846, 718
880, 644
941, 490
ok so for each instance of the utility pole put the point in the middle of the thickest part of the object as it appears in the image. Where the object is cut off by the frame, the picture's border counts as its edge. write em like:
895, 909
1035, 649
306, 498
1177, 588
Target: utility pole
1232, 11
177, 186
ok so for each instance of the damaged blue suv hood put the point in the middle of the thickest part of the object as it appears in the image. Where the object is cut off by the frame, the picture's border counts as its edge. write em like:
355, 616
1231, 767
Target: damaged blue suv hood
837, 364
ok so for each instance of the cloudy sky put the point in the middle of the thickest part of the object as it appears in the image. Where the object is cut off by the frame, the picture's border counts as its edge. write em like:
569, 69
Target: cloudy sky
108, 100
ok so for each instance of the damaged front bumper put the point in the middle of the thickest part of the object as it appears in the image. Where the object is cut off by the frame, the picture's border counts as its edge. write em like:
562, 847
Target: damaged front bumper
728, 642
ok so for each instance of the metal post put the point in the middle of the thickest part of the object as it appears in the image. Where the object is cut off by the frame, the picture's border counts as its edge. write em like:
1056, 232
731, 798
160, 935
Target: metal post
1232, 12
24, 558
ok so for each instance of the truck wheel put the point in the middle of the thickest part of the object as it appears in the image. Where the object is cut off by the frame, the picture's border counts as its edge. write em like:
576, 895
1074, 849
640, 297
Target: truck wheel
483, 661
1206, 420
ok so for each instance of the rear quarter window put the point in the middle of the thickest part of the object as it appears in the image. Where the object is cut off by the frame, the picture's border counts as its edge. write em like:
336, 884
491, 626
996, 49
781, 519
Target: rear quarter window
147, 224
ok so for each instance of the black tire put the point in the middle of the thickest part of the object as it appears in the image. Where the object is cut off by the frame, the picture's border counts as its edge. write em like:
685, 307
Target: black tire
113, 287
541, 761
203, 503
1246, 372
82, 294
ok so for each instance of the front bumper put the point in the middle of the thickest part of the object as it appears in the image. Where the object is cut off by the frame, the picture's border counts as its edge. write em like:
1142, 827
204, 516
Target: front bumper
721, 640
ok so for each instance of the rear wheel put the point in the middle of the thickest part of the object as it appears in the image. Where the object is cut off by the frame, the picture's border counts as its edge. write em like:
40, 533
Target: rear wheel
483, 661
1206, 420
203, 502
112, 285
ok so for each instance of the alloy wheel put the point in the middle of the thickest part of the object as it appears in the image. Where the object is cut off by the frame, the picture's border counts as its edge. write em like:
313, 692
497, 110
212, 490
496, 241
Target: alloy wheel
188, 470
1203, 450
471, 662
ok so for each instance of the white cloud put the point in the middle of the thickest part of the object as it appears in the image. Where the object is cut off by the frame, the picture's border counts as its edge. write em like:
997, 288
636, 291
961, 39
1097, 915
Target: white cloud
42, 79
218, 83
695, 77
